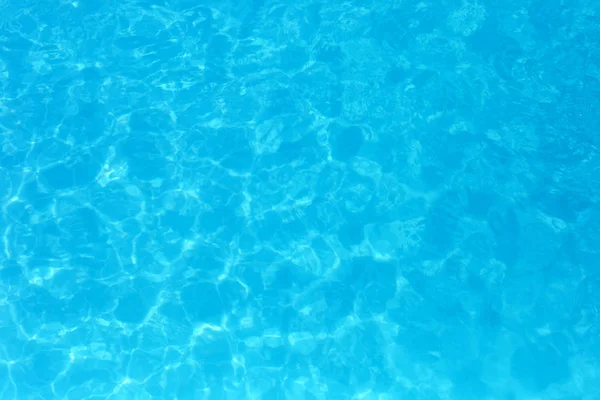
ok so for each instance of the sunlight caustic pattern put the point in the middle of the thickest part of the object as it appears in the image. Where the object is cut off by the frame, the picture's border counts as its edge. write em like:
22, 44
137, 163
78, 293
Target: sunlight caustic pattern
299, 200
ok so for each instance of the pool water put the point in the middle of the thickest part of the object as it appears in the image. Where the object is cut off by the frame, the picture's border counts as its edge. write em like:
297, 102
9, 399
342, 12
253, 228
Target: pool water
303, 200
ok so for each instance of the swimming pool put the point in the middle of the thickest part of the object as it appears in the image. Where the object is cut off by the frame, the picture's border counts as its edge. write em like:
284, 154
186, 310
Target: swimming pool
299, 200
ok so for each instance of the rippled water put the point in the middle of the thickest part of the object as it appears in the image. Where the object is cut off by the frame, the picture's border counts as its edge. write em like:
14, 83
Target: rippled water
299, 200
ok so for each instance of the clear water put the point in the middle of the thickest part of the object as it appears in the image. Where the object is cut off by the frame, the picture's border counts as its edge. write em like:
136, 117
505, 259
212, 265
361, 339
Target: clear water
299, 200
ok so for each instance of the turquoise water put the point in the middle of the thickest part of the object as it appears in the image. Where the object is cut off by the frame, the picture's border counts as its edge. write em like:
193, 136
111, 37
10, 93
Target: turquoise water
299, 200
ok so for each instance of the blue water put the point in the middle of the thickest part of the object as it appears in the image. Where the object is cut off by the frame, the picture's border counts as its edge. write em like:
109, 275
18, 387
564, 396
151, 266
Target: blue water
299, 200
